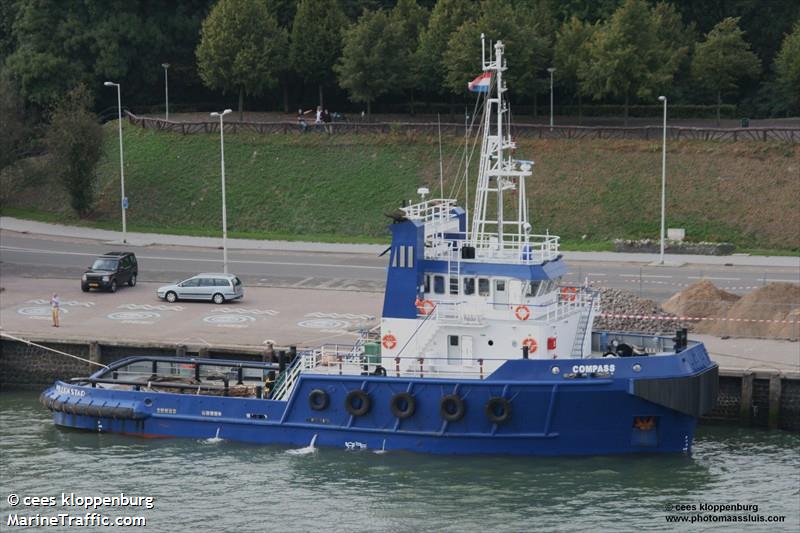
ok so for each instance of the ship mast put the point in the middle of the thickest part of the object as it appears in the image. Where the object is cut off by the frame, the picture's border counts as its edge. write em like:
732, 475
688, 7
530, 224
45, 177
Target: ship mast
498, 171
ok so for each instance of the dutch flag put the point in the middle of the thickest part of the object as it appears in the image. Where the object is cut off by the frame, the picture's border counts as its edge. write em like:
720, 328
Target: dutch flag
481, 83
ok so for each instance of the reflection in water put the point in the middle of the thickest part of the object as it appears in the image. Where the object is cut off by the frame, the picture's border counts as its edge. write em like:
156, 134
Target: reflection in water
233, 486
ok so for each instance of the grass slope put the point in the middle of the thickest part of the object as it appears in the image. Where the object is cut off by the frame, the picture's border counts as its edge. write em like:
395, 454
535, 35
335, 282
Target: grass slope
320, 187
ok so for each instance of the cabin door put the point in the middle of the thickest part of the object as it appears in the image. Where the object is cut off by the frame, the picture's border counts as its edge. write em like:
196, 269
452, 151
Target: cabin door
453, 350
500, 294
466, 349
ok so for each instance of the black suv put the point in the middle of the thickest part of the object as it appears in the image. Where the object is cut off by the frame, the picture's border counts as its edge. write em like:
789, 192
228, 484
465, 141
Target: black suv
111, 270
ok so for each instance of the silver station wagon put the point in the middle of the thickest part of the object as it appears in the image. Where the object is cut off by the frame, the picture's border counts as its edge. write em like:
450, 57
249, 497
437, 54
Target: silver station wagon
218, 288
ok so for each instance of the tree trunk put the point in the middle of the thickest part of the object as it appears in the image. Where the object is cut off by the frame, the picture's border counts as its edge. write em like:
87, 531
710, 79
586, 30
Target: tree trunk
321, 102
452, 107
627, 98
535, 105
369, 109
241, 104
580, 109
411, 103
719, 105
285, 96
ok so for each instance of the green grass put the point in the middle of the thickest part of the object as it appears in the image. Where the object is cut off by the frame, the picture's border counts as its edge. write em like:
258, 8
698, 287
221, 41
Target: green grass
338, 188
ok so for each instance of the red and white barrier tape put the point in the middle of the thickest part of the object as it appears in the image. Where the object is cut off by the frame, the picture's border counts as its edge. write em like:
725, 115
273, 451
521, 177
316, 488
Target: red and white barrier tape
695, 318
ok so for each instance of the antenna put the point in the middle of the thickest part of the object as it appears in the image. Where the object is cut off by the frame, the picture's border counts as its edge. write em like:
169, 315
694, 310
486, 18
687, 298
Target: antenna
466, 172
441, 167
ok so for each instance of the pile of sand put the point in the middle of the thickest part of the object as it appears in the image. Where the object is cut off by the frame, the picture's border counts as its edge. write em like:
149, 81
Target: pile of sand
772, 311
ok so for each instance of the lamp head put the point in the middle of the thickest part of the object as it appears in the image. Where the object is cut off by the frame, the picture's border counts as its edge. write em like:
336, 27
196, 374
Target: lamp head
110, 84
662, 98
165, 65
551, 70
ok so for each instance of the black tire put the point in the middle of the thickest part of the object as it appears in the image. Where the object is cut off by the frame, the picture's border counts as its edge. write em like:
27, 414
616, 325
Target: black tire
452, 408
218, 298
403, 405
171, 297
84, 288
498, 410
132, 281
357, 402
113, 286
318, 400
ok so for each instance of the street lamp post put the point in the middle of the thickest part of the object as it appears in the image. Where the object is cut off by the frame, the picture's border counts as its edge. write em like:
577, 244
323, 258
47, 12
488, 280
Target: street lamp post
551, 70
124, 199
166, 91
224, 212
663, 178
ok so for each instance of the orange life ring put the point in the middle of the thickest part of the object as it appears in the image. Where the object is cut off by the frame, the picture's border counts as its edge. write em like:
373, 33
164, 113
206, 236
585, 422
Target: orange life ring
522, 312
644, 423
389, 341
531, 343
424, 307
569, 293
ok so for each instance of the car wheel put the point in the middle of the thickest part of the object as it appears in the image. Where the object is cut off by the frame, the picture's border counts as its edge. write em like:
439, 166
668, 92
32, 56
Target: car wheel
218, 299
113, 287
132, 281
84, 288
171, 297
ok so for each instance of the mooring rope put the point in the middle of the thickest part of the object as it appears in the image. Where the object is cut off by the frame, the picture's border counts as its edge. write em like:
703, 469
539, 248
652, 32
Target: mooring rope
6, 335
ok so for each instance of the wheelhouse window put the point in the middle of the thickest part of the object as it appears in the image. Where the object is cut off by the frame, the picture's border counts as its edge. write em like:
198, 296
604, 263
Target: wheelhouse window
469, 286
438, 284
499, 285
427, 283
531, 287
483, 287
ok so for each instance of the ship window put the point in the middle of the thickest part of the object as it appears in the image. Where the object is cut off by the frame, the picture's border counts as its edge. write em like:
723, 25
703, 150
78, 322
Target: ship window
394, 257
427, 283
438, 284
402, 253
483, 287
531, 288
410, 262
453, 284
499, 285
453, 340
546, 287
469, 286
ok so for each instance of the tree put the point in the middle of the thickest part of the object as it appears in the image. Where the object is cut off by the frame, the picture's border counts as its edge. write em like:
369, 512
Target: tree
240, 48
317, 41
16, 133
371, 52
627, 57
723, 59
787, 67
571, 54
410, 20
74, 141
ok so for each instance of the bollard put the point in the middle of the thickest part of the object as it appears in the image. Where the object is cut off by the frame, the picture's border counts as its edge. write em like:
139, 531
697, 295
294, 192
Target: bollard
746, 399
774, 401
202, 351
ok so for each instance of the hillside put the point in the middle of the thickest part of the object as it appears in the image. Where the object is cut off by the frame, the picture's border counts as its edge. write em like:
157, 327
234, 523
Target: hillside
315, 186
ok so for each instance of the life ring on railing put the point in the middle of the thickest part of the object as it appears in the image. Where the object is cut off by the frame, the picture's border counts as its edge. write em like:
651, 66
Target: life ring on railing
424, 307
389, 341
318, 399
531, 343
498, 410
569, 293
522, 312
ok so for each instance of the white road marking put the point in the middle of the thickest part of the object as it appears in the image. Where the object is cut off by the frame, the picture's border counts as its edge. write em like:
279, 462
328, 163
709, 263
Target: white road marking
712, 277
644, 276
302, 282
784, 280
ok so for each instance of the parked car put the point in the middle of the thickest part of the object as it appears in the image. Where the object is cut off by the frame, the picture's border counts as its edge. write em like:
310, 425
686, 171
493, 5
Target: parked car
218, 288
111, 270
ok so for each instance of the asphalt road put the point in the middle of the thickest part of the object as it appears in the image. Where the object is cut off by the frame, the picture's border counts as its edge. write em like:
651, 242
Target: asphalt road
36, 256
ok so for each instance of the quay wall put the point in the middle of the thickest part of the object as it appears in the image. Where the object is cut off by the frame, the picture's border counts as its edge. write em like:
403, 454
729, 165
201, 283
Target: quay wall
759, 399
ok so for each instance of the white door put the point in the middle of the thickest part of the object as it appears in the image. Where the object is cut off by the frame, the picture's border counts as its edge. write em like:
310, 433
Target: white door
466, 349
500, 294
453, 350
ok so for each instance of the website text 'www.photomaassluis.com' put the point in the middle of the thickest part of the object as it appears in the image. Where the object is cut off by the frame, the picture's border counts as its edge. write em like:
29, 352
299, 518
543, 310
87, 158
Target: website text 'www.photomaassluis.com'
69, 509
718, 513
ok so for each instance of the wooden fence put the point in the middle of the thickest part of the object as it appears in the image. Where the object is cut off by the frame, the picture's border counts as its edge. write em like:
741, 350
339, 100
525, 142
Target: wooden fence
538, 131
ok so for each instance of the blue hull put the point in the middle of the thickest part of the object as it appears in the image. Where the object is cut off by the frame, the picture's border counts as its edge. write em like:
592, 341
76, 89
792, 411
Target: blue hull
564, 413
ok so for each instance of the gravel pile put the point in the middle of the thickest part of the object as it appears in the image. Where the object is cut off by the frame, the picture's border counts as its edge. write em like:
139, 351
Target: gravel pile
622, 302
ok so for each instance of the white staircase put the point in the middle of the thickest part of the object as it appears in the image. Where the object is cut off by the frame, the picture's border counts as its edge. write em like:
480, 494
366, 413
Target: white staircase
583, 327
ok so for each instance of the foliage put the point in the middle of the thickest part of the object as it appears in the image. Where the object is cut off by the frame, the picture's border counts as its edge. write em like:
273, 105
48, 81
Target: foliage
410, 20
240, 47
787, 67
16, 134
571, 54
446, 18
368, 67
74, 143
724, 58
316, 41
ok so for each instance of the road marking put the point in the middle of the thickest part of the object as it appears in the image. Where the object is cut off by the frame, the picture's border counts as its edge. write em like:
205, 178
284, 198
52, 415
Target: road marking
302, 282
595, 274
712, 277
784, 280
70, 302
644, 276
196, 259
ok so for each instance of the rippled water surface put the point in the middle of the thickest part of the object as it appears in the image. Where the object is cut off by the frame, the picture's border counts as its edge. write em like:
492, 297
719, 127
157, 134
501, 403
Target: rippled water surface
225, 486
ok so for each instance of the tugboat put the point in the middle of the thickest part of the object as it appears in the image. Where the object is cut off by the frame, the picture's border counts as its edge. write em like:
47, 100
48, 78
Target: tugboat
481, 350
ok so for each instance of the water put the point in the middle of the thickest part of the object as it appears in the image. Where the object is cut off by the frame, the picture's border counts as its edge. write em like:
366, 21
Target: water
225, 486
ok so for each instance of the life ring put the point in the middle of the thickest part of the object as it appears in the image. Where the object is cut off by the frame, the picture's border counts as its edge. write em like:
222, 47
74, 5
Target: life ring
425, 307
531, 343
452, 408
498, 410
389, 341
318, 399
569, 293
644, 423
522, 312
403, 405
357, 402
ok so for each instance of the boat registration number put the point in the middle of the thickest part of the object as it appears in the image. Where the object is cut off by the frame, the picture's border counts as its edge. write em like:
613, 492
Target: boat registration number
94, 285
